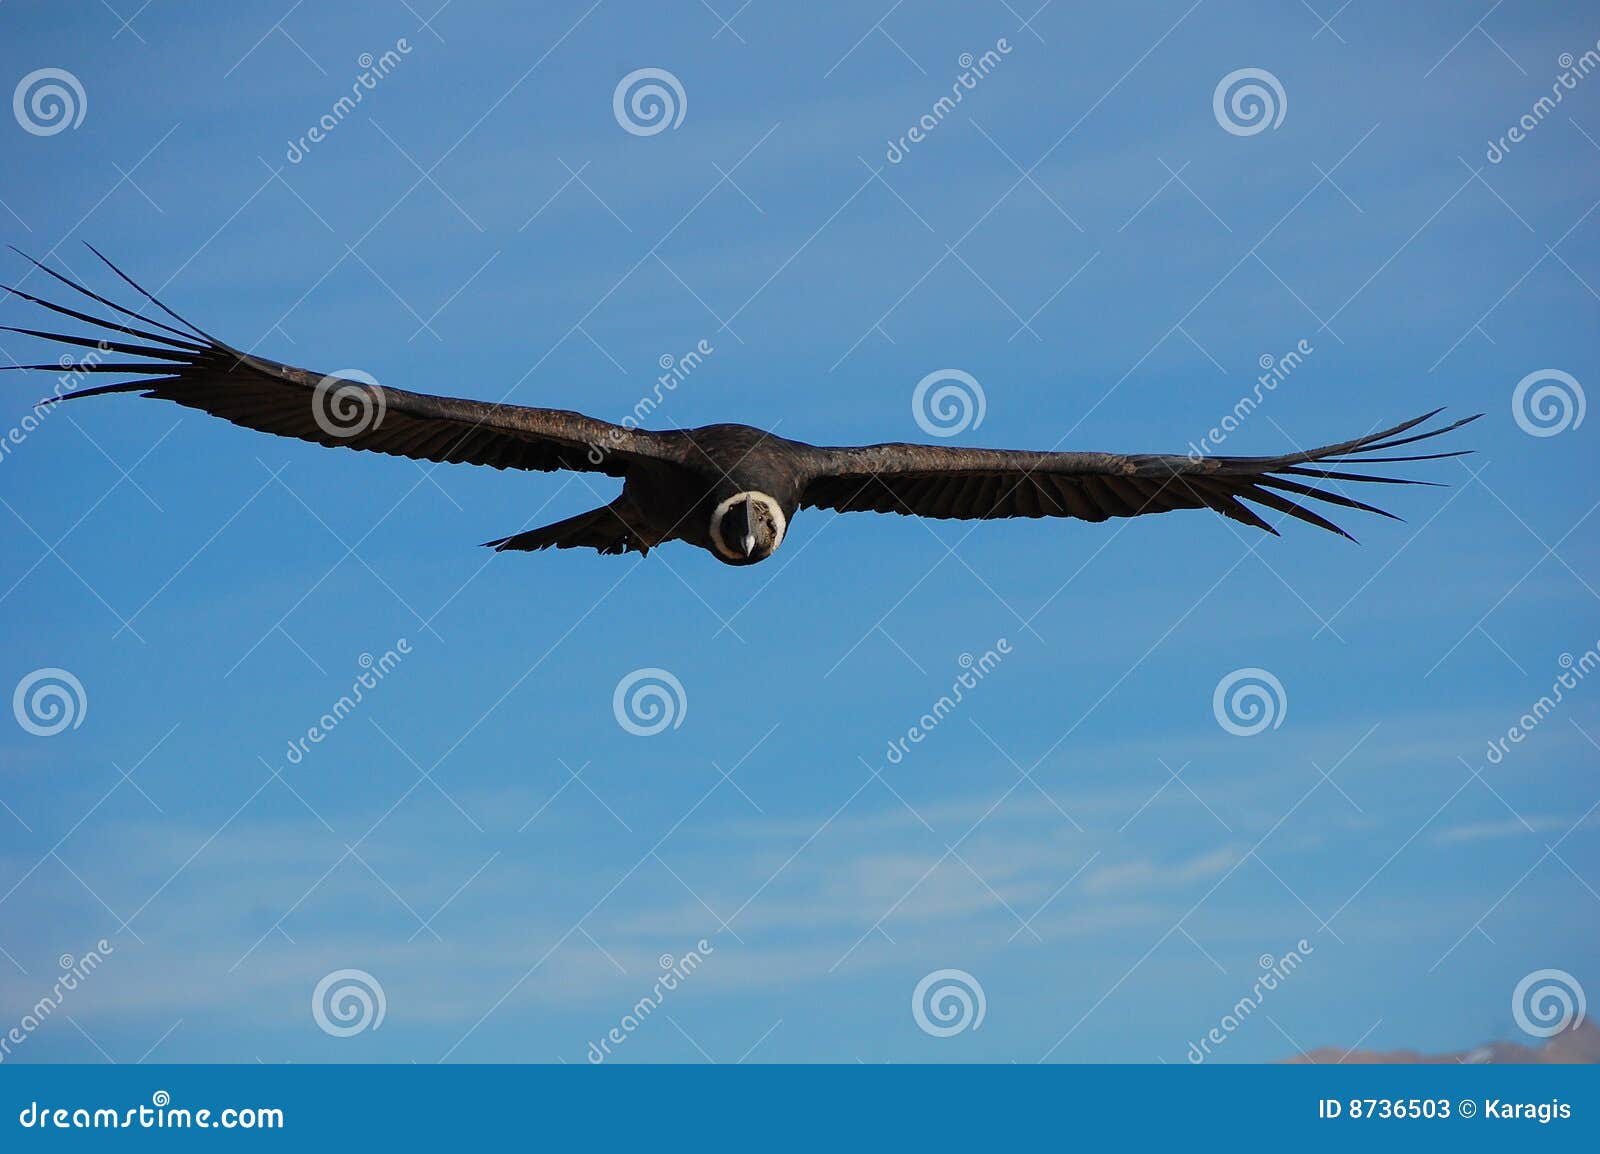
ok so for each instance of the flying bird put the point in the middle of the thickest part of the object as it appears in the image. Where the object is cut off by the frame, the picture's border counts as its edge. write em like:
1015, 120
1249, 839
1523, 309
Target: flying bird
731, 490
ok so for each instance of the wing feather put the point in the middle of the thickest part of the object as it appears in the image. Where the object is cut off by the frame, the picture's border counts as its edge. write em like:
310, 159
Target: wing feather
191, 368
936, 481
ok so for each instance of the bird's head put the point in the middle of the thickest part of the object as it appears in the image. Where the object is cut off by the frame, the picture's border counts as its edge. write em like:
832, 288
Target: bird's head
747, 527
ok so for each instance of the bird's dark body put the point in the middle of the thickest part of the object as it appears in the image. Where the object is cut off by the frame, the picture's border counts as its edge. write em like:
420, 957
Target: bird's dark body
674, 501
675, 498
731, 490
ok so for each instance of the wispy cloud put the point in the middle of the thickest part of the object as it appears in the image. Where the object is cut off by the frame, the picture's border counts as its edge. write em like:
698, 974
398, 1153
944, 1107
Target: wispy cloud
1513, 827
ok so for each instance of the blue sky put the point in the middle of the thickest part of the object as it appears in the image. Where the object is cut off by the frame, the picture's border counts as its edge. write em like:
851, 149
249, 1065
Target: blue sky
1083, 237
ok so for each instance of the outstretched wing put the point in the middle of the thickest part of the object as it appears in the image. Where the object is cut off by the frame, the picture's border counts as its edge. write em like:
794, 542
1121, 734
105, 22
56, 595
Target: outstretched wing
189, 366
933, 481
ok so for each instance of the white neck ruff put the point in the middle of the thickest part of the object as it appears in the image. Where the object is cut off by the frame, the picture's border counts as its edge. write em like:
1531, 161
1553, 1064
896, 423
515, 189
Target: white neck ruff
774, 510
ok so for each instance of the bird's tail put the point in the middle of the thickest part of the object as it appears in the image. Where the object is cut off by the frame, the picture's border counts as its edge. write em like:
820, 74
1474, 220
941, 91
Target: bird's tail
605, 530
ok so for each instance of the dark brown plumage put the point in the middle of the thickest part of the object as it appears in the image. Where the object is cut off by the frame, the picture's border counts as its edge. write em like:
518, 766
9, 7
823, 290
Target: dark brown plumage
729, 489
